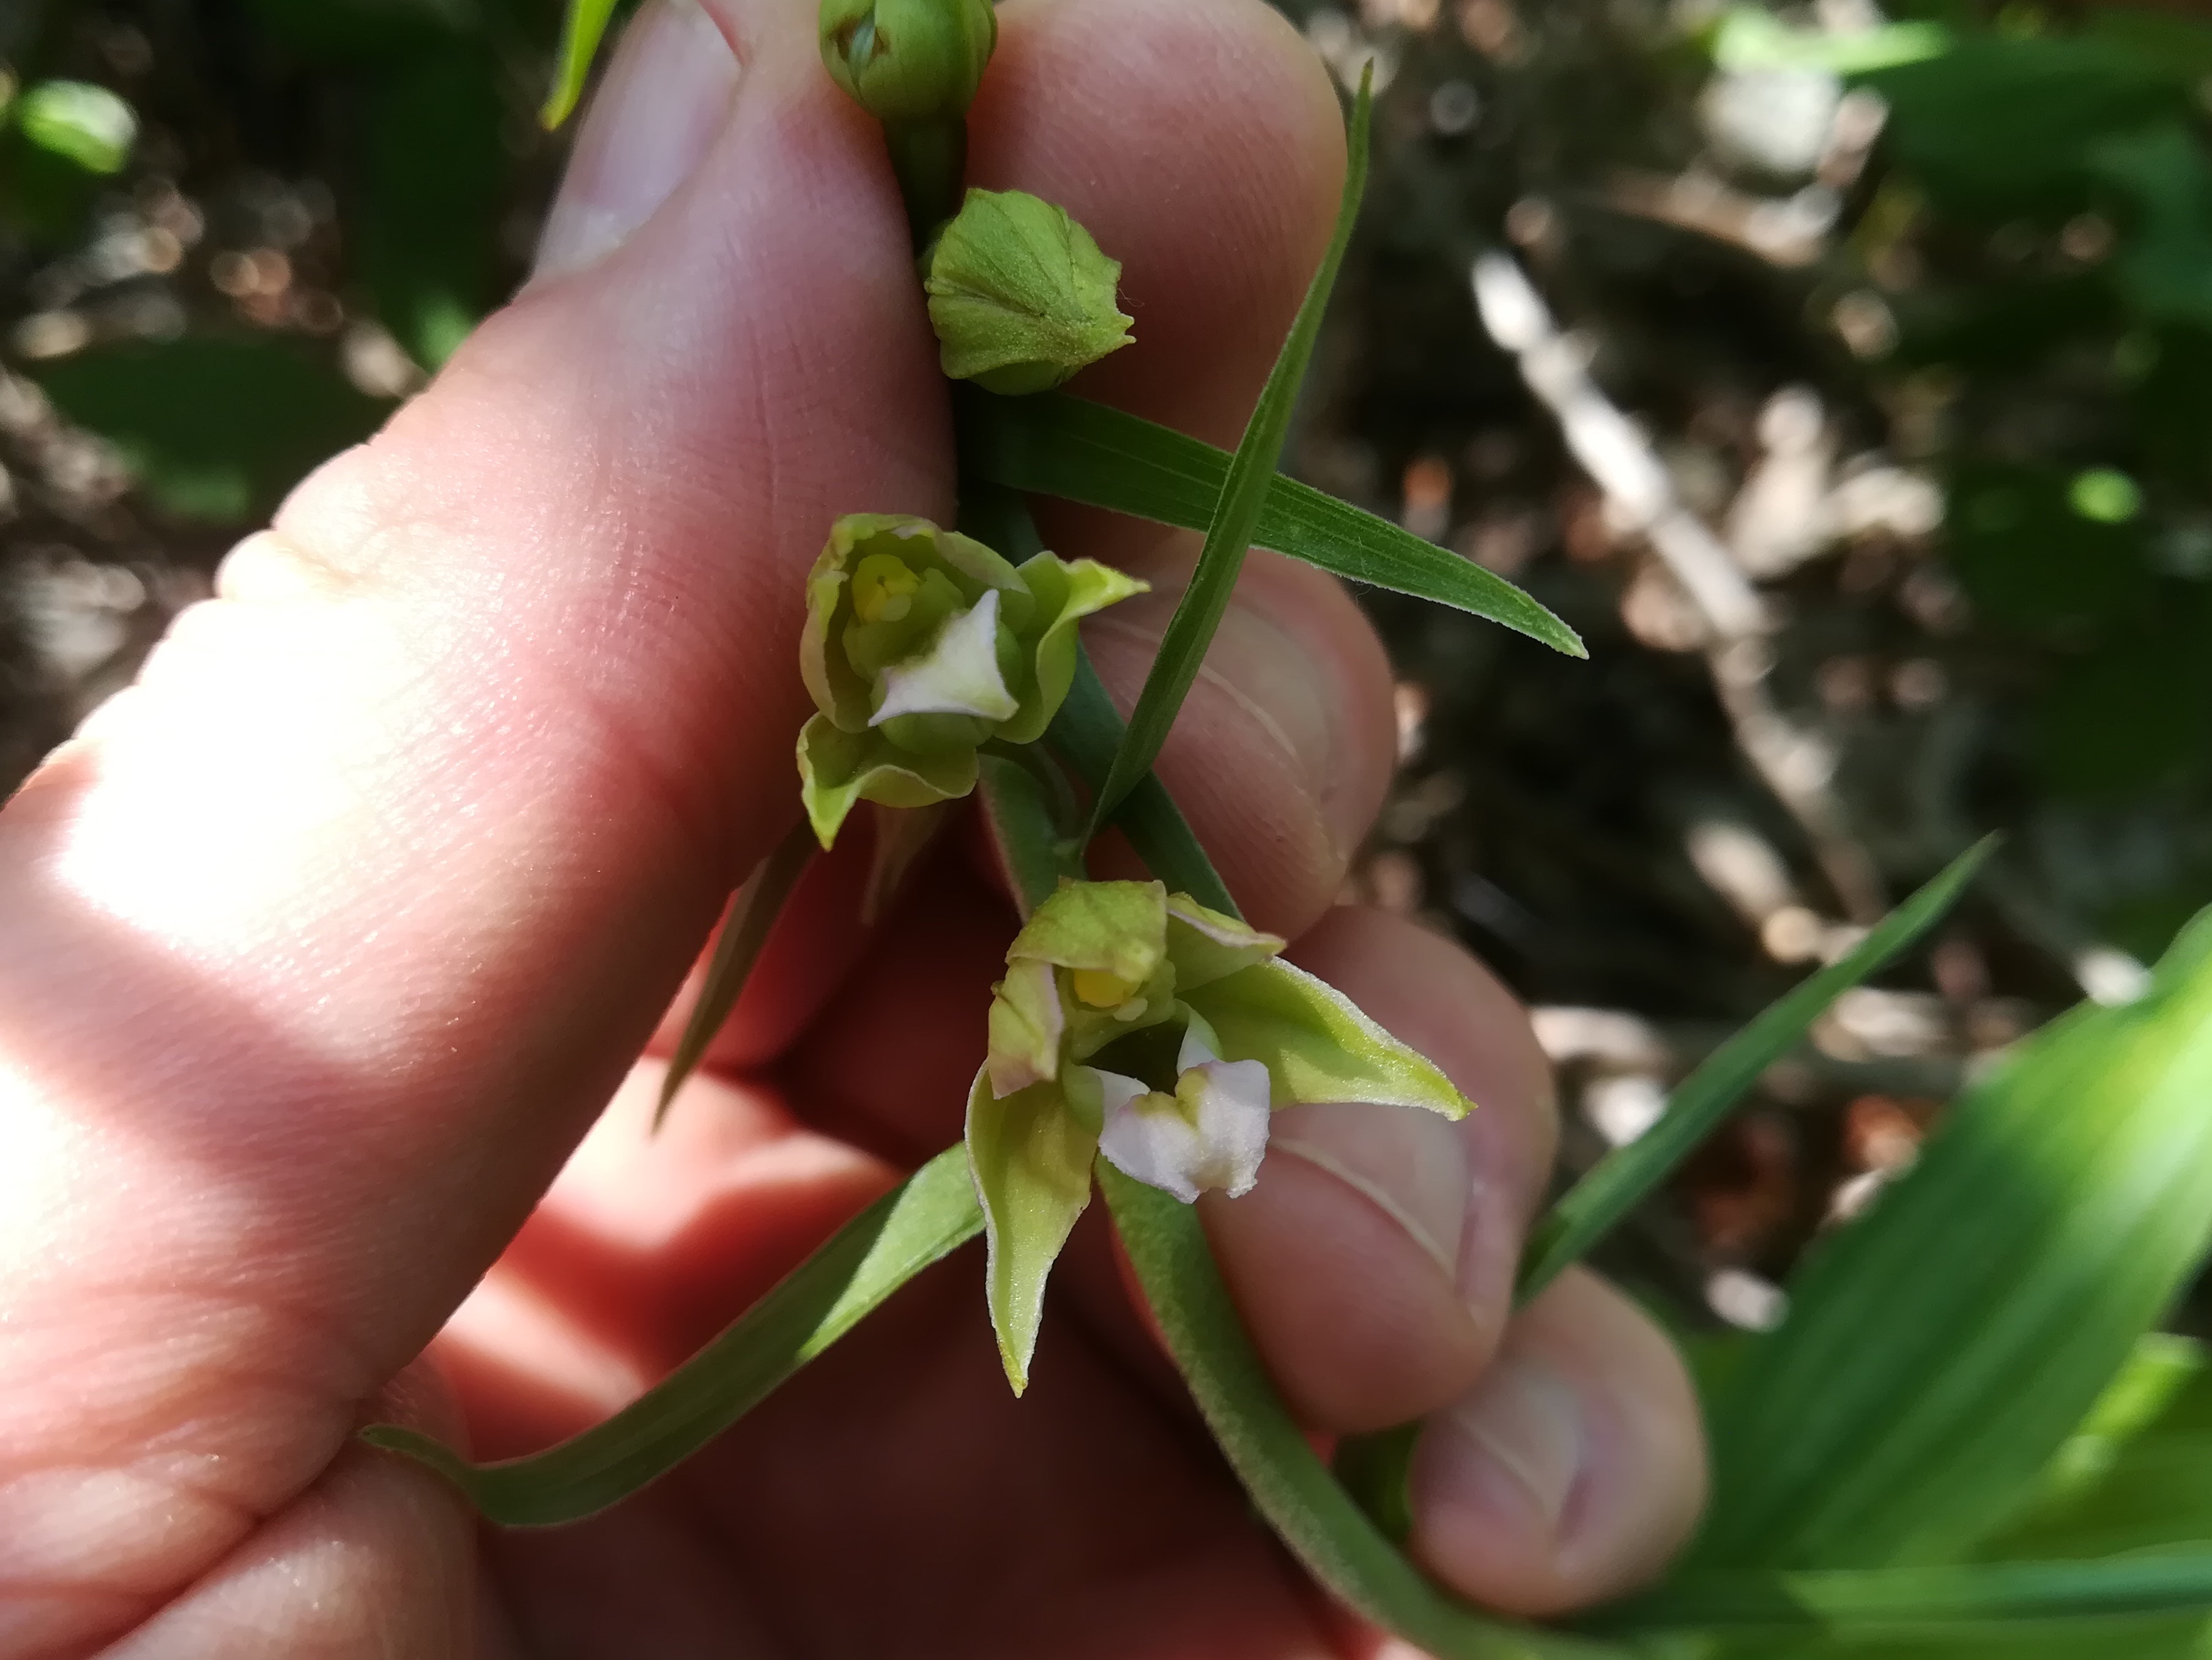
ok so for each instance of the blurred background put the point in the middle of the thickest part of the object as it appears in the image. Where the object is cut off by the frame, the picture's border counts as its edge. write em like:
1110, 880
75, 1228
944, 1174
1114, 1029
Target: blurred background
1845, 378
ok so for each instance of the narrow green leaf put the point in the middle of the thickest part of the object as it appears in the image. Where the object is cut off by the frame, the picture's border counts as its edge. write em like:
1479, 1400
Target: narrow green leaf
1056, 445
751, 918
1089, 733
870, 1257
1903, 1601
581, 32
1625, 1177
1229, 533
1307, 1507
1938, 1353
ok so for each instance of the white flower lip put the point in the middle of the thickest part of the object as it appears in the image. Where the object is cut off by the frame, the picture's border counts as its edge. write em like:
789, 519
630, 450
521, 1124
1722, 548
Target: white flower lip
959, 675
1211, 1134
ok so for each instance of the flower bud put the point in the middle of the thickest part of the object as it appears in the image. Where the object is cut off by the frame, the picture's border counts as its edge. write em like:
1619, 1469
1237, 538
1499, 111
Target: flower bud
907, 61
922, 644
1019, 294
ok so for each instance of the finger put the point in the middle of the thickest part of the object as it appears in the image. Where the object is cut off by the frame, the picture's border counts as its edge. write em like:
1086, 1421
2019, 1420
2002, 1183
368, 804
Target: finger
1283, 751
376, 1559
1574, 1470
1374, 1260
326, 941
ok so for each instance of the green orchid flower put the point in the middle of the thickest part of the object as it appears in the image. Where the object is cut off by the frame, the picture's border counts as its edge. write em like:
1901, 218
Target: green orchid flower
1140, 1027
921, 646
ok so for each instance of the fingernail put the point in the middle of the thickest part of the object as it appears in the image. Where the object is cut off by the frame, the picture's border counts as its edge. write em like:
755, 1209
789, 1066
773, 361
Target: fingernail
1273, 676
1406, 1162
664, 99
1507, 1457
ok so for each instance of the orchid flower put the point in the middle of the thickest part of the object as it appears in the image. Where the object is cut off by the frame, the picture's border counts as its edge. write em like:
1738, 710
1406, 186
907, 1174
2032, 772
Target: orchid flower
1138, 1025
921, 646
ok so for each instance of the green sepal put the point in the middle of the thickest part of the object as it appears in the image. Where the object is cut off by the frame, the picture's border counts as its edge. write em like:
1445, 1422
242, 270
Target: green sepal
1119, 928
1065, 592
1020, 294
1316, 1043
1207, 945
838, 770
1031, 1155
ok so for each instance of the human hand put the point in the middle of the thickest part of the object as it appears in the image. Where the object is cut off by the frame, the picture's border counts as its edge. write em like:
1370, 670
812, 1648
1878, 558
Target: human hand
329, 940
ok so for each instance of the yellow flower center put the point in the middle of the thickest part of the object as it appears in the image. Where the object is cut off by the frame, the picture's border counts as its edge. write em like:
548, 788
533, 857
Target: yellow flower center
1097, 989
883, 588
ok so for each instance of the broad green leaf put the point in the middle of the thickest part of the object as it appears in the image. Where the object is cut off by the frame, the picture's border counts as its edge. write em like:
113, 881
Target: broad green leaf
1939, 1352
1031, 1155
1229, 531
217, 428
82, 123
2136, 1473
437, 169
1307, 1507
1628, 1175
1316, 1042
585, 27
1750, 40
1056, 445
745, 930
1088, 732
1896, 1601
932, 1214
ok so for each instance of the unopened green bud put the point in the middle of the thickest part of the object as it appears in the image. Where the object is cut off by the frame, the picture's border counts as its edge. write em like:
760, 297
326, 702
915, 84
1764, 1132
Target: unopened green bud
906, 61
1019, 294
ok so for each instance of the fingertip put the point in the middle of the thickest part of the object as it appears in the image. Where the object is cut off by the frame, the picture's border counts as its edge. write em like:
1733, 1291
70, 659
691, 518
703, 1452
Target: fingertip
1343, 1262
1574, 1470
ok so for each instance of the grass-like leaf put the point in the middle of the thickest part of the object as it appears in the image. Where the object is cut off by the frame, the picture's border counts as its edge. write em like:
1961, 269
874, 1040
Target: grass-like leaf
744, 931
581, 31
1307, 1507
1872, 1603
1229, 531
1938, 1353
868, 1259
1056, 445
1625, 1177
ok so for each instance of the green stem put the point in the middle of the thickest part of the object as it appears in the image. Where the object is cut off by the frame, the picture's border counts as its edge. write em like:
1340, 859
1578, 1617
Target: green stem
930, 159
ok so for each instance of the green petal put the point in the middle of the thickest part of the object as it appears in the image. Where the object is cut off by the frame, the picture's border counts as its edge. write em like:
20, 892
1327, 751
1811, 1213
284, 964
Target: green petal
1026, 1025
1115, 927
1066, 593
1031, 1159
838, 770
1316, 1043
1207, 945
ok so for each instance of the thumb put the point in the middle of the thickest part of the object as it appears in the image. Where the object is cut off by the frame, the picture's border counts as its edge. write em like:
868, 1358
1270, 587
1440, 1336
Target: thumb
326, 941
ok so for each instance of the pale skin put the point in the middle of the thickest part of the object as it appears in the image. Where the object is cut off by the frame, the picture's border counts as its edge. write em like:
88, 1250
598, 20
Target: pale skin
327, 943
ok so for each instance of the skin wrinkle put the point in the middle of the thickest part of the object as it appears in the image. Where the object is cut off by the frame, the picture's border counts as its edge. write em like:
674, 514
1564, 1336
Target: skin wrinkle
1373, 1193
